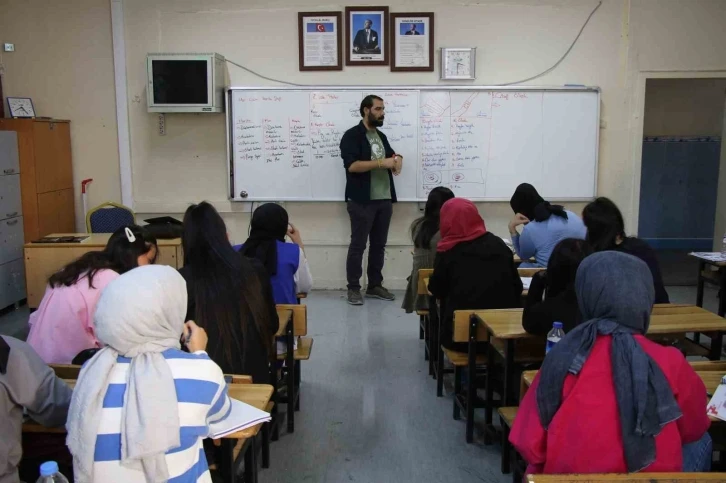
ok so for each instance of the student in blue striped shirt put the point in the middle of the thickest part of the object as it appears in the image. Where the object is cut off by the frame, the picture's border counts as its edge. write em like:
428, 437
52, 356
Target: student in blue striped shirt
142, 407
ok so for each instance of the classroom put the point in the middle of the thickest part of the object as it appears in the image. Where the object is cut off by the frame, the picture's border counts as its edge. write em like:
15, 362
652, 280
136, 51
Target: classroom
611, 108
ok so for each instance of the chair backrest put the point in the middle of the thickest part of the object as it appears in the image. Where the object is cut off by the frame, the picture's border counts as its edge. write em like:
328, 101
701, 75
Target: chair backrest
238, 379
423, 274
299, 318
66, 371
528, 272
109, 217
619, 478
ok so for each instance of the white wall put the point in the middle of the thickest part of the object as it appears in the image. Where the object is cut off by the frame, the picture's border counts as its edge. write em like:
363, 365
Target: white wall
515, 39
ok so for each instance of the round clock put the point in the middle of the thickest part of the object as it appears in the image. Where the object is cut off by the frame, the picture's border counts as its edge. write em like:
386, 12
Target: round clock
458, 63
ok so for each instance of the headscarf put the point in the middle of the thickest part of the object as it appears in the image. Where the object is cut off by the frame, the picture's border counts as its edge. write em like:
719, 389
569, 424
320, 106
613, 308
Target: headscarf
460, 222
268, 226
528, 202
615, 295
139, 315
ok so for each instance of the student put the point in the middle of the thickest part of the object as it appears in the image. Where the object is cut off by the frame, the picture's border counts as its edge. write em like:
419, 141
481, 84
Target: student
62, 326
545, 226
551, 297
608, 400
606, 231
474, 269
141, 406
28, 385
228, 295
285, 262
425, 236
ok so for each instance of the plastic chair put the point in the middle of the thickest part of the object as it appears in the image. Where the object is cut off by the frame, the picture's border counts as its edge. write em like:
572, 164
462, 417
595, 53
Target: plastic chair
109, 217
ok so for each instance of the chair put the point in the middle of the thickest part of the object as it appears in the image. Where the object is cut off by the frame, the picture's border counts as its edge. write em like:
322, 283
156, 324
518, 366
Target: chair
109, 217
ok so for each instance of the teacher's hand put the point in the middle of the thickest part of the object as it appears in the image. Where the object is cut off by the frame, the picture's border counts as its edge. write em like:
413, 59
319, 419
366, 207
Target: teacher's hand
388, 163
398, 164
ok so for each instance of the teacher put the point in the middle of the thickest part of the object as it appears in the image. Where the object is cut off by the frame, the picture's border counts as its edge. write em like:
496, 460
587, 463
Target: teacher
370, 164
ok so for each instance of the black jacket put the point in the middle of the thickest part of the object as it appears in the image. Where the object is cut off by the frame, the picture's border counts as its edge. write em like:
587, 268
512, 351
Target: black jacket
362, 43
639, 248
479, 274
354, 146
539, 314
254, 361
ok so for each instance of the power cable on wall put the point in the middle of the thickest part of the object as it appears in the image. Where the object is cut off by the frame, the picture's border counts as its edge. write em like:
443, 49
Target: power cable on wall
545, 72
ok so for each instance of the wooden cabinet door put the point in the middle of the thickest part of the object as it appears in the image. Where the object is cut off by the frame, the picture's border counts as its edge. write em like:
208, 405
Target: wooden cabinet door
52, 146
56, 213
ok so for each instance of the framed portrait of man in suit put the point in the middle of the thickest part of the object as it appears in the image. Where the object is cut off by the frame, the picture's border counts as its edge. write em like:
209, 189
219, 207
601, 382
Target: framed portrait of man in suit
367, 36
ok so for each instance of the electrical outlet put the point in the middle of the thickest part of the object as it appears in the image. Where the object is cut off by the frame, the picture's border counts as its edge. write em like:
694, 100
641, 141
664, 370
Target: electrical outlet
9, 47
162, 124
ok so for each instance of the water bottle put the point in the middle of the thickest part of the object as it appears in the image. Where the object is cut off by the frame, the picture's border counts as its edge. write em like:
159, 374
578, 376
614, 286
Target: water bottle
49, 473
554, 336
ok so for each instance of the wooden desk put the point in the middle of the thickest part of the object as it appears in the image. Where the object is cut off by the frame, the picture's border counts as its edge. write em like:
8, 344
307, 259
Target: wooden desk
283, 316
718, 278
44, 259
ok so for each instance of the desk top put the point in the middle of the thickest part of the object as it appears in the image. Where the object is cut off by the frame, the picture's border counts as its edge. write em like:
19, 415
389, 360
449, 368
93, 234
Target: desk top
284, 316
713, 258
94, 240
256, 395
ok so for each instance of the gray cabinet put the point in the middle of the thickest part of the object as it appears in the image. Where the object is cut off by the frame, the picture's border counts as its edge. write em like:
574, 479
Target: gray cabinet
12, 270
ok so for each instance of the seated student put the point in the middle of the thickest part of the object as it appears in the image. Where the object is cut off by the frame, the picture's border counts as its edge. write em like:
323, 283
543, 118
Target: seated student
27, 384
608, 400
142, 407
229, 295
474, 269
62, 326
285, 262
545, 226
551, 297
606, 231
425, 236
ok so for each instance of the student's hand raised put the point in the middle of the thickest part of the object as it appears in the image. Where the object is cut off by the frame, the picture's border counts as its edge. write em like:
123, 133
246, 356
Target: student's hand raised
195, 337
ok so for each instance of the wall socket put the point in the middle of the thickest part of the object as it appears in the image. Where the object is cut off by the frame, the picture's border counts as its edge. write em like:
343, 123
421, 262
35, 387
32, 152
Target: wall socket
9, 47
162, 124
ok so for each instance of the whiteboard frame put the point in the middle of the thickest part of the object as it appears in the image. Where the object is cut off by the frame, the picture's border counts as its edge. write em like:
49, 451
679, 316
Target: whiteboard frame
566, 88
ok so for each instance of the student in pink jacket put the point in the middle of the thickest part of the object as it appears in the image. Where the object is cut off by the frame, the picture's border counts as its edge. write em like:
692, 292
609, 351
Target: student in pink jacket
62, 326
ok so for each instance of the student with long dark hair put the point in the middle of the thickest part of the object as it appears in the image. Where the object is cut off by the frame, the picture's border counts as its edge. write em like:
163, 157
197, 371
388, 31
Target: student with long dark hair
545, 225
551, 297
425, 236
63, 324
606, 231
228, 295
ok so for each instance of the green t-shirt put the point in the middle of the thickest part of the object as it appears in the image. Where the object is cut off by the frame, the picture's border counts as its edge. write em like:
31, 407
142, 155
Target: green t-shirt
380, 181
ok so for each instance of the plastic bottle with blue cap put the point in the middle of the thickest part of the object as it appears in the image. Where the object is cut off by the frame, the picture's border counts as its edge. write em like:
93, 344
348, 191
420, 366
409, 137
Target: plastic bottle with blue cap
554, 336
49, 473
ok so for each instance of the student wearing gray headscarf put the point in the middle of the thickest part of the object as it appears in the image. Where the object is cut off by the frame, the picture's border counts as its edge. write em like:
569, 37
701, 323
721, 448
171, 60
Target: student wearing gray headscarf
608, 400
142, 407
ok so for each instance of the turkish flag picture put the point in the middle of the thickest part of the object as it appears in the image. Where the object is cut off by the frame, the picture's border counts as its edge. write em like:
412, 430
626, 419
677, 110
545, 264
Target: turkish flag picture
321, 27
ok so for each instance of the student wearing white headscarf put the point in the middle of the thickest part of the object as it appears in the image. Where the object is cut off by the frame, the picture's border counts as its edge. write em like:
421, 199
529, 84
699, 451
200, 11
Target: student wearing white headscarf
142, 407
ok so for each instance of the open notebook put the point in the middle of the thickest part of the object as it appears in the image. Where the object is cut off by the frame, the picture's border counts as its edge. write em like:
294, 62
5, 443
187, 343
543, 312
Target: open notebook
242, 416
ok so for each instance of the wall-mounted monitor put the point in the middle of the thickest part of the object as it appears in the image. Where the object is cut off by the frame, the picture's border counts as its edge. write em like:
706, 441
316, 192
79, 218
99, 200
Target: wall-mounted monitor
185, 82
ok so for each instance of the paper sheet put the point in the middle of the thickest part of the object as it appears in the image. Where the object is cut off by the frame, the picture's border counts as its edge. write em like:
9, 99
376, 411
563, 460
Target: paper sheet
242, 416
526, 281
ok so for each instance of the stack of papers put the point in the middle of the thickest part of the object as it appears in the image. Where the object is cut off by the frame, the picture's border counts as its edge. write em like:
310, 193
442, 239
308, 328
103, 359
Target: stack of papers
241, 417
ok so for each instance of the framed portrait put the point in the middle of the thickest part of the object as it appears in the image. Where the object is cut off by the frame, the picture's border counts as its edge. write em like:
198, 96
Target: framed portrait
320, 40
412, 46
366, 40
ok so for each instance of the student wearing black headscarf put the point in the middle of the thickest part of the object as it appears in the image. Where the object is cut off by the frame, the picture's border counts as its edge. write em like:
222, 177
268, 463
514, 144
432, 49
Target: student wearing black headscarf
607, 399
545, 225
285, 262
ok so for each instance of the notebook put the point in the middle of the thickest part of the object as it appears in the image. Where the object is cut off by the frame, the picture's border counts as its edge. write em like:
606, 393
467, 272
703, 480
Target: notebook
241, 416
526, 281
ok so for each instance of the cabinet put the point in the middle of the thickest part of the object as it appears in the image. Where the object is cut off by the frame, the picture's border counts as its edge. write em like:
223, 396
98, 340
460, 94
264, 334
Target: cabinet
43, 159
12, 273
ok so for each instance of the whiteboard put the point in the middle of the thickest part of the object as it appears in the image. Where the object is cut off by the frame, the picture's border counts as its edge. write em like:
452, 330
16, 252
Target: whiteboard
283, 143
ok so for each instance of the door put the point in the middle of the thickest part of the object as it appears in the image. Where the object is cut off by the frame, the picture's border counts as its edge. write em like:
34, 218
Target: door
56, 213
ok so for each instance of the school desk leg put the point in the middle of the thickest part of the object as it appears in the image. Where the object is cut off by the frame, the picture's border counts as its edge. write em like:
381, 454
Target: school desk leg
439, 372
225, 461
275, 422
420, 327
457, 392
722, 292
508, 372
506, 449
716, 344
266, 445
250, 473
699, 287
427, 336
290, 362
297, 385
489, 393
